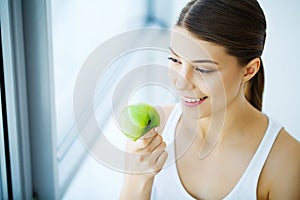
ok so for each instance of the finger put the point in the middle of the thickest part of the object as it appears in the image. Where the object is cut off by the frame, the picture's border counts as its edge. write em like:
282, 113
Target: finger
161, 146
154, 143
149, 134
144, 143
158, 151
161, 159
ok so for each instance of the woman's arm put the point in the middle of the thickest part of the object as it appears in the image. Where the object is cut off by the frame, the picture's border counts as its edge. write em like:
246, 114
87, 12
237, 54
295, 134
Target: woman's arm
283, 168
137, 187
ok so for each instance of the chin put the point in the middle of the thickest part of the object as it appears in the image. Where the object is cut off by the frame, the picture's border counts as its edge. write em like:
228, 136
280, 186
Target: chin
196, 113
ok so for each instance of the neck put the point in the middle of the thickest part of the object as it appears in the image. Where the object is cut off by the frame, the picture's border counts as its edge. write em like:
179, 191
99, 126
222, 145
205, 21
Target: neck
232, 120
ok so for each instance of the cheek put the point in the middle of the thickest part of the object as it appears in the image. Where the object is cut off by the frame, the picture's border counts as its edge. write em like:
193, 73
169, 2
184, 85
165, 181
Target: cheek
226, 88
222, 89
232, 84
216, 88
211, 85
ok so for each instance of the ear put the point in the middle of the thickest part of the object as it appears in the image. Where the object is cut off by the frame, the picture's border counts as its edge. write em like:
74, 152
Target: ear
251, 69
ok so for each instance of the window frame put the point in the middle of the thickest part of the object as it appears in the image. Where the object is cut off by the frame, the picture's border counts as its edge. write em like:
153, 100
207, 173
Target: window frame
18, 171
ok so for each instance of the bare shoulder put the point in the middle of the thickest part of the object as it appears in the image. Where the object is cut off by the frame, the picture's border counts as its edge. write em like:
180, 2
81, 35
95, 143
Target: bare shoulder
282, 168
286, 148
164, 112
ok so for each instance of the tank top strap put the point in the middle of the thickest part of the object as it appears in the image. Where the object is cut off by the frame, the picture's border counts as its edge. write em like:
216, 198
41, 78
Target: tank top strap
247, 185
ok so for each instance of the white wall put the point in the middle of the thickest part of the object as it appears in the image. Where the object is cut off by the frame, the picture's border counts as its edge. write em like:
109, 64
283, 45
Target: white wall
282, 63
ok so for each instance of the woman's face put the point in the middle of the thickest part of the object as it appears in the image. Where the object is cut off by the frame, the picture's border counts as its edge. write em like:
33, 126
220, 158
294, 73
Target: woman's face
207, 79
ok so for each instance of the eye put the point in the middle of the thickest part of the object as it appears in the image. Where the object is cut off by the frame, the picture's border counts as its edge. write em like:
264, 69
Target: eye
174, 60
203, 71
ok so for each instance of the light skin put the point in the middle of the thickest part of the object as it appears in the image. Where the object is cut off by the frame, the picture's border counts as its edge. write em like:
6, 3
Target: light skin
211, 73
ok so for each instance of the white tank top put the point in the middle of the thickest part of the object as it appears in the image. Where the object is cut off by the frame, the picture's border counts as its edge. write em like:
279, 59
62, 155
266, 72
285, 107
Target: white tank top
167, 184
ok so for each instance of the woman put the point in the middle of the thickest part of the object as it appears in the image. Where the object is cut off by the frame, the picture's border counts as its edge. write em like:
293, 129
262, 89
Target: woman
223, 146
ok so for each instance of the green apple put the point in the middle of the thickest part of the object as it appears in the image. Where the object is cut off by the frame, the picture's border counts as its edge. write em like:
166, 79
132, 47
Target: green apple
137, 119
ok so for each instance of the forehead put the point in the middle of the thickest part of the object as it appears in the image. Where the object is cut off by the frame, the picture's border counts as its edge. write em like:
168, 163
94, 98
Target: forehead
187, 46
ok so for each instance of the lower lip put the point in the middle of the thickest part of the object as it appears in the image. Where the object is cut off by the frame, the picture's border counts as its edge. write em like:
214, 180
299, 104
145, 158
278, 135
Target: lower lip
193, 104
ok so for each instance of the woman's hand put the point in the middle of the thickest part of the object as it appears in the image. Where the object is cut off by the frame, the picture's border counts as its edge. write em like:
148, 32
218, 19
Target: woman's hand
147, 155
144, 160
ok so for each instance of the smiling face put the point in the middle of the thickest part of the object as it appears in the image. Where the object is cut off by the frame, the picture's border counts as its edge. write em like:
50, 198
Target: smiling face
207, 79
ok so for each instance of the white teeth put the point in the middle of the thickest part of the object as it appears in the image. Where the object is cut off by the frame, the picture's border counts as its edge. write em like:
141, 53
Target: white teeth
190, 100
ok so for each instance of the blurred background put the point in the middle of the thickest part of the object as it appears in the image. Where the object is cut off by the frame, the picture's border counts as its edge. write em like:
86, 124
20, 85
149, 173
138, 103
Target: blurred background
55, 38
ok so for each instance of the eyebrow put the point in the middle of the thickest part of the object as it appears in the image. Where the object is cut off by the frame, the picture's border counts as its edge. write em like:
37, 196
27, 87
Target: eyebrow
195, 61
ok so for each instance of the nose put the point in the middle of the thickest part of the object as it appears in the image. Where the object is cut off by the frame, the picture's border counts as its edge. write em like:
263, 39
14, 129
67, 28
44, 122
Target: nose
183, 78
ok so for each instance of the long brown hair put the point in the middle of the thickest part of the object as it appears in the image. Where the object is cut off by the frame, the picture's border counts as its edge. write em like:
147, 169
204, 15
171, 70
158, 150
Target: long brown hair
237, 25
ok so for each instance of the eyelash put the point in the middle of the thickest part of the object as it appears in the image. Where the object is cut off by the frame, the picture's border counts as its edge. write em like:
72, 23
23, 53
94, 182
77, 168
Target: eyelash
196, 68
203, 71
174, 60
